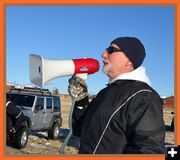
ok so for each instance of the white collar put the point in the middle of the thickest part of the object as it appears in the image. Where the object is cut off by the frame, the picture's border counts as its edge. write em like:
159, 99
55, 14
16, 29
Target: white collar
138, 74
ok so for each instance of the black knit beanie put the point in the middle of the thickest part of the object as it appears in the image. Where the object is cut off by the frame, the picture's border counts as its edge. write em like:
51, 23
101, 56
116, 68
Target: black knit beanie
132, 48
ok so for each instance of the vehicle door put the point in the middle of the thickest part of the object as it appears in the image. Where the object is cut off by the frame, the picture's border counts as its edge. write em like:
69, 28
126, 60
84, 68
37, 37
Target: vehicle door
38, 114
49, 111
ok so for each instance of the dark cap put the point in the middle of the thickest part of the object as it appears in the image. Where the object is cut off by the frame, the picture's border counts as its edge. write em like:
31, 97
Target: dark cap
132, 48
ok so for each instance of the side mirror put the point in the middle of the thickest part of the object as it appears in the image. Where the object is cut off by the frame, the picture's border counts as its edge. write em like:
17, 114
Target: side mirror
37, 108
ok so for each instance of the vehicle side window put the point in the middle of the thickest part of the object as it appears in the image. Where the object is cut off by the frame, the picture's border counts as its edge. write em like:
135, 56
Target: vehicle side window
29, 100
21, 100
56, 104
49, 103
40, 103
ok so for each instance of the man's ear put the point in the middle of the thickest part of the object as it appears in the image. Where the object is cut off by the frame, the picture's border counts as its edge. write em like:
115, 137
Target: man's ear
130, 65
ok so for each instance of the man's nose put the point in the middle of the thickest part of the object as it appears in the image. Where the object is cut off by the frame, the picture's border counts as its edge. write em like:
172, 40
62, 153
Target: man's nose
104, 54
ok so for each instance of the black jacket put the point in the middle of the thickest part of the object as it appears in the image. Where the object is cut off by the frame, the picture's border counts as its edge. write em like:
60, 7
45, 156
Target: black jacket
125, 117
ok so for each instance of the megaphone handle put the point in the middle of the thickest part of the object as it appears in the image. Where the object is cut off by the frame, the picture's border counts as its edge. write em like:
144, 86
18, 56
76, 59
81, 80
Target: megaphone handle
70, 127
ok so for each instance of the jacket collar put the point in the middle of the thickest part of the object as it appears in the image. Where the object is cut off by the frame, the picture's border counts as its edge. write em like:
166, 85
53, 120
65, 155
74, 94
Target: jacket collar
138, 74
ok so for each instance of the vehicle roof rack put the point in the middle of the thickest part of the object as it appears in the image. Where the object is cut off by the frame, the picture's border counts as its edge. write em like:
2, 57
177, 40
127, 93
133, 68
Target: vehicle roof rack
32, 90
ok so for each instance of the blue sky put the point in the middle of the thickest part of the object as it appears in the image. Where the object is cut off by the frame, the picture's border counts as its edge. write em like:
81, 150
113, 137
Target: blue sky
68, 32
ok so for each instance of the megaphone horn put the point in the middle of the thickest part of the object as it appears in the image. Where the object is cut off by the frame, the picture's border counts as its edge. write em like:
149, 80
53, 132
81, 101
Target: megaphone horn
42, 70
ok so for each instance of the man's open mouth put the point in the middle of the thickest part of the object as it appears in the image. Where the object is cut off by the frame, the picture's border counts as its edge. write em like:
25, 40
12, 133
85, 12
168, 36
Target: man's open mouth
105, 62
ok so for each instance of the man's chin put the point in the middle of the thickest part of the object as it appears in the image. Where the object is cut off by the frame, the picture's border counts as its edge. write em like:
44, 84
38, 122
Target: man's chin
106, 69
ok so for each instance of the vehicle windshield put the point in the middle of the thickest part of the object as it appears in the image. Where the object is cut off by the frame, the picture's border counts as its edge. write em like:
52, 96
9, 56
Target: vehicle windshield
21, 100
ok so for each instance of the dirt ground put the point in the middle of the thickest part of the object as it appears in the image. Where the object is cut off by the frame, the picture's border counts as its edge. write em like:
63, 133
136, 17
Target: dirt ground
39, 143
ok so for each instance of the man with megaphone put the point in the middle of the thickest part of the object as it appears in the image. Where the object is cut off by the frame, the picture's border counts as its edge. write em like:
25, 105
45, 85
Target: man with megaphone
126, 116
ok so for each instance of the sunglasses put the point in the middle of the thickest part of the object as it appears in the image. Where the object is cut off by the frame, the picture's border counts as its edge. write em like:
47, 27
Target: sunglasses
111, 49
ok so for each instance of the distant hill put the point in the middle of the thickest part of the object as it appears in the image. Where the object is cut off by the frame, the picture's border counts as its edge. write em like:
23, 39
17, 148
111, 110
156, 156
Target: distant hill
168, 101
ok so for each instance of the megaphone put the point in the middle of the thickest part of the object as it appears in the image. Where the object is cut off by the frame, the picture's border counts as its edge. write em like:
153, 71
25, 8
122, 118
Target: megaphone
42, 70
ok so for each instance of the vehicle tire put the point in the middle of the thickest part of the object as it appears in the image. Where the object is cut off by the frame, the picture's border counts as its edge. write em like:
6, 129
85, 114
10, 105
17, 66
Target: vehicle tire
54, 132
21, 137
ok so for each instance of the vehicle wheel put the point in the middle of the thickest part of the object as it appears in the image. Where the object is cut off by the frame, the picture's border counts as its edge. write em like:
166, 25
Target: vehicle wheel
21, 138
54, 132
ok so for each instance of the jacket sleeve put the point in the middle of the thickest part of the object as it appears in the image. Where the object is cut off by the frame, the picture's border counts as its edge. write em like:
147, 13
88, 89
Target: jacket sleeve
12, 110
145, 125
80, 109
14, 116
